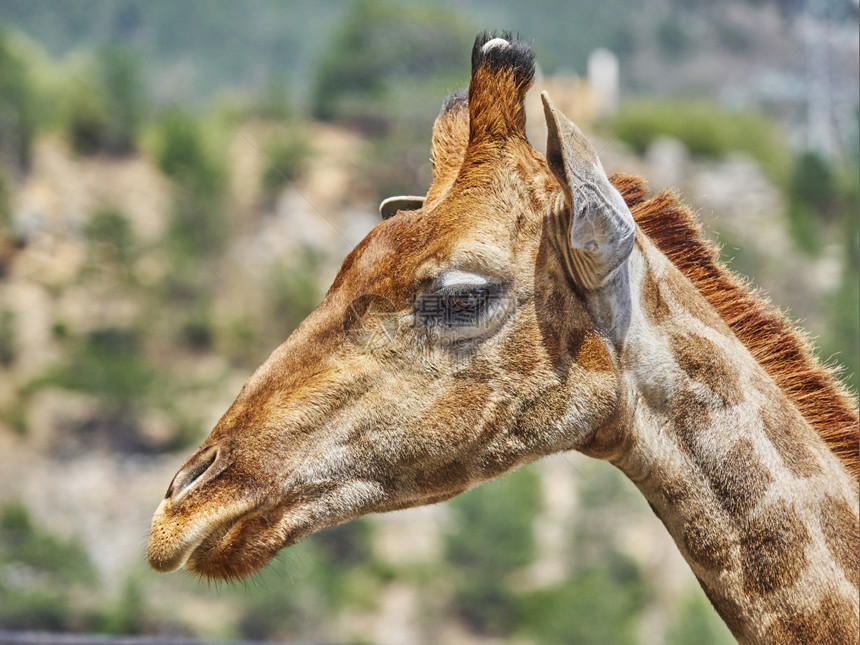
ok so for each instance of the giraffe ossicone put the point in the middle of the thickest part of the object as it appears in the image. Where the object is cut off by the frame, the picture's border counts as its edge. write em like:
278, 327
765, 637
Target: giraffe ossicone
508, 336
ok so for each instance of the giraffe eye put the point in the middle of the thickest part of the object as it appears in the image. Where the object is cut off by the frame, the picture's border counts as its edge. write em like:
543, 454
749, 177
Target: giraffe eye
459, 301
460, 308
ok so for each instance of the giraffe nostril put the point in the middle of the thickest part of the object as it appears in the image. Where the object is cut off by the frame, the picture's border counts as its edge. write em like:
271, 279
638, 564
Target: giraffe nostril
191, 472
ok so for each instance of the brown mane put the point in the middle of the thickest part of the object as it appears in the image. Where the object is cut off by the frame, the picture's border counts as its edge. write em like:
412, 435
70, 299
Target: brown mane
778, 346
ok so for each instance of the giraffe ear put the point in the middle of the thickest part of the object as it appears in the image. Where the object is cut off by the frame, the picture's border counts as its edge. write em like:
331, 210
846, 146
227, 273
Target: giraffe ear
602, 230
391, 205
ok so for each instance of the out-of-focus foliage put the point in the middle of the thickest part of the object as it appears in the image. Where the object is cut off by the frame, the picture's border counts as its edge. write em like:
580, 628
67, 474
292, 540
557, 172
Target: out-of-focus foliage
7, 337
108, 363
674, 41
107, 104
842, 341
706, 129
612, 589
291, 291
382, 55
285, 153
329, 571
5, 205
821, 197
112, 244
39, 575
697, 623
492, 539
386, 70
197, 227
17, 109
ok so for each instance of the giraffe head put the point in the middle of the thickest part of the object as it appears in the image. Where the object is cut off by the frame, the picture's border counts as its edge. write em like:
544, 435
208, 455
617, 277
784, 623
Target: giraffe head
453, 346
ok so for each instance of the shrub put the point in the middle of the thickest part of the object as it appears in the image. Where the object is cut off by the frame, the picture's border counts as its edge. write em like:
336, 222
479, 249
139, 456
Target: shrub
492, 538
126, 614
292, 292
17, 109
289, 600
347, 544
7, 337
111, 241
88, 118
38, 572
285, 155
198, 227
705, 128
181, 152
381, 46
107, 104
108, 363
696, 622
614, 592
124, 92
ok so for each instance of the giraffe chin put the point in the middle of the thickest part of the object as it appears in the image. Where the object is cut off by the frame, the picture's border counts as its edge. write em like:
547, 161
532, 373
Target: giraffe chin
244, 546
231, 544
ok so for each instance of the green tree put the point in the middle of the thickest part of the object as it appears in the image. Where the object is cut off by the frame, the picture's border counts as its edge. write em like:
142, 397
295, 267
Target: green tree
109, 364
124, 97
598, 605
107, 104
492, 538
38, 574
198, 226
286, 153
17, 109
696, 622
382, 48
843, 337
706, 129
112, 244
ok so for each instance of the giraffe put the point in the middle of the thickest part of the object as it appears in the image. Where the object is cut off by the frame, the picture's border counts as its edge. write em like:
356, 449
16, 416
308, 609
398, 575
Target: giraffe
534, 305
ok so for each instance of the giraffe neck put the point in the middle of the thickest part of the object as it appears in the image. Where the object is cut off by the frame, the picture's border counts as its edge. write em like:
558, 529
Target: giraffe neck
761, 509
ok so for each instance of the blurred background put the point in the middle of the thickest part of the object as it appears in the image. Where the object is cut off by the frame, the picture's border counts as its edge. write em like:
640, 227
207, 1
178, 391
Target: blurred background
171, 176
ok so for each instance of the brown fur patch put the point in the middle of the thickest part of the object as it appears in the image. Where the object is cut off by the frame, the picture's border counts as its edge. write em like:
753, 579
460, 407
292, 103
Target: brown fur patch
653, 304
739, 480
778, 346
834, 621
517, 355
670, 488
842, 533
450, 138
705, 362
591, 354
453, 476
789, 442
706, 544
772, 551
688, 418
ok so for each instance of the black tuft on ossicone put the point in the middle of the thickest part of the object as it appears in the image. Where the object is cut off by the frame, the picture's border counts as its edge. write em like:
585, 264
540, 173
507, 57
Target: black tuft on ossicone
513, 54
